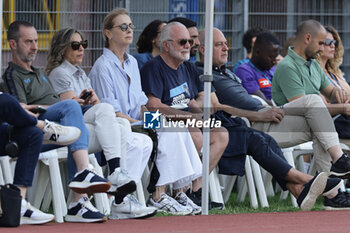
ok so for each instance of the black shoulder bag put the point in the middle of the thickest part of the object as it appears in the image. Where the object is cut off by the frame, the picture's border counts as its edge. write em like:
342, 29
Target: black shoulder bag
10, 205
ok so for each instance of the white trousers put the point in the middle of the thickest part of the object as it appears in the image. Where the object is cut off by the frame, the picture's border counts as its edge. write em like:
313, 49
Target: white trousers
113, 135
177, 160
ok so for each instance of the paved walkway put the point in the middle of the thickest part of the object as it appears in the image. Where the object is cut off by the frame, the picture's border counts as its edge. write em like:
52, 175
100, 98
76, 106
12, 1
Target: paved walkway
296, 222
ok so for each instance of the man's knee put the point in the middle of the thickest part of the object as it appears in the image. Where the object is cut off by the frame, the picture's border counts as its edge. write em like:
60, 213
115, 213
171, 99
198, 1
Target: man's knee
197, 137
105, 108
314, 100
7, 100
220, 136
28, 136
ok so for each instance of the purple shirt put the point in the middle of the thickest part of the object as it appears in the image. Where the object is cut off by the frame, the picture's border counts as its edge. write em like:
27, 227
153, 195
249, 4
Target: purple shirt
254, 79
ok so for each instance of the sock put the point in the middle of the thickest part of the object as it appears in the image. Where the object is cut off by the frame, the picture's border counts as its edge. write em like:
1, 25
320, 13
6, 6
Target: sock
198, 192
23, 205
113, 164
333, 194
119, 197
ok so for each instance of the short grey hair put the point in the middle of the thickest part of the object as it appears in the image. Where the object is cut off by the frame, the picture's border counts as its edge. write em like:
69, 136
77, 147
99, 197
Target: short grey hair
166, 33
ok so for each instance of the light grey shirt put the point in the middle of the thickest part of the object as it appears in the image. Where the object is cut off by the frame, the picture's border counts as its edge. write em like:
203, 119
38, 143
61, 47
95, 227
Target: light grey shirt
67, 77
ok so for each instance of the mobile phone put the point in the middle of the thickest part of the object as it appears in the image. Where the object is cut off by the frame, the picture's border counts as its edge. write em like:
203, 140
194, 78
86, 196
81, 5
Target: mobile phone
86, 95
38, 109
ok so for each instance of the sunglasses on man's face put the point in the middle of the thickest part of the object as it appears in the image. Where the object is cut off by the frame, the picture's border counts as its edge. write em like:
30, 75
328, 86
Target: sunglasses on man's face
76, 45
182, 42
328, 42
124, 27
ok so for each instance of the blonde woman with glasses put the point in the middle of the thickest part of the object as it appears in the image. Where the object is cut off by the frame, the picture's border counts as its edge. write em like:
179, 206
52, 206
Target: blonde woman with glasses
330, 60
116, 79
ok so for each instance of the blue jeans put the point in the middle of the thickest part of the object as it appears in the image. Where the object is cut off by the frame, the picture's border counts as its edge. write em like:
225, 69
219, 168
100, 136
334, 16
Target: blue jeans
28, 137
68, 113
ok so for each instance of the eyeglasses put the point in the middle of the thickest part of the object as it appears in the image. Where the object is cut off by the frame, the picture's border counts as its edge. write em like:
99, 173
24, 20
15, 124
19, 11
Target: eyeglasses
76, 45
182, 42
328, 42
124, 27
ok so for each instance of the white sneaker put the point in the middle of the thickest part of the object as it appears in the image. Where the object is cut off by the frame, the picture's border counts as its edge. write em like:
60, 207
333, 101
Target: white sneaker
170, 205
121, 182
60, 135
184, 200
131, 208
84, 211
31, 215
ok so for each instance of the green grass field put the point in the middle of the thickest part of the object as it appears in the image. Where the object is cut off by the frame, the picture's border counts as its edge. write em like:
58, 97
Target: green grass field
275, 205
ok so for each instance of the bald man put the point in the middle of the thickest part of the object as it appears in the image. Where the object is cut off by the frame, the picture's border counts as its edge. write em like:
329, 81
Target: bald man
295, 122
300, 120
299, 74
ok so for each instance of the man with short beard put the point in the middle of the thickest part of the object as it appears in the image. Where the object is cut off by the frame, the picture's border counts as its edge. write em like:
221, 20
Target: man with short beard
299, 74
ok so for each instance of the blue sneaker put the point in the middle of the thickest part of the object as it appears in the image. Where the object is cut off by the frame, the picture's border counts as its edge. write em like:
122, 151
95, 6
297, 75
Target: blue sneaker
88, 182
84, 211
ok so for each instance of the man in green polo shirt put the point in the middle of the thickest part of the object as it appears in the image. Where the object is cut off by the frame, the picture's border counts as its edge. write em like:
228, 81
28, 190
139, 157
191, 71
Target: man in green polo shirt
299, 74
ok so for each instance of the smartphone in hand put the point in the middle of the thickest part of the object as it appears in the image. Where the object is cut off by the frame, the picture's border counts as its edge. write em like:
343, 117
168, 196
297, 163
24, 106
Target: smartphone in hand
86, 95
38, 109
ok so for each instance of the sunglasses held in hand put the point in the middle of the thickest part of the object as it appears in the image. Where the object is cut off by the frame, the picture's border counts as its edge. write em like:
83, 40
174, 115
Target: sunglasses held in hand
76, 45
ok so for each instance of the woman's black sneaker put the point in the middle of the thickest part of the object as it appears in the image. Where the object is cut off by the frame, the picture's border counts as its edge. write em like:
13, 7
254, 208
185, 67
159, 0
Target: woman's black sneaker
341, 168
339, 202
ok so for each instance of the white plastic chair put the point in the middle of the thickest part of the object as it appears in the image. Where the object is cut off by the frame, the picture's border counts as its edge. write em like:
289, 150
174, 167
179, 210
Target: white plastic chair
252, 182
101, 199
41, 194
215, 188
253, 179
7, 175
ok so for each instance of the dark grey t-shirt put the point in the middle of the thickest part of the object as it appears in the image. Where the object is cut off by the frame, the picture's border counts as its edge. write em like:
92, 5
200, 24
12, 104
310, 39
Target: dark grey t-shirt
230, 91
27, 86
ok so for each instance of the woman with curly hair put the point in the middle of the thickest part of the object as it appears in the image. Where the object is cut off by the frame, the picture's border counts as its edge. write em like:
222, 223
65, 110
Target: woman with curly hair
148, 43
330, 60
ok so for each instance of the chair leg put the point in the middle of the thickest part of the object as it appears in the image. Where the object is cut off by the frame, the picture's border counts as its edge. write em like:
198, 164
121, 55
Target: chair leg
145, 181
228, 183
40, 187
101, 199
259, 183
267, 178
6, 168
57, 190
242, 188
2, 181
46, 202
250, 182
214, 187
140, 195
288, 154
